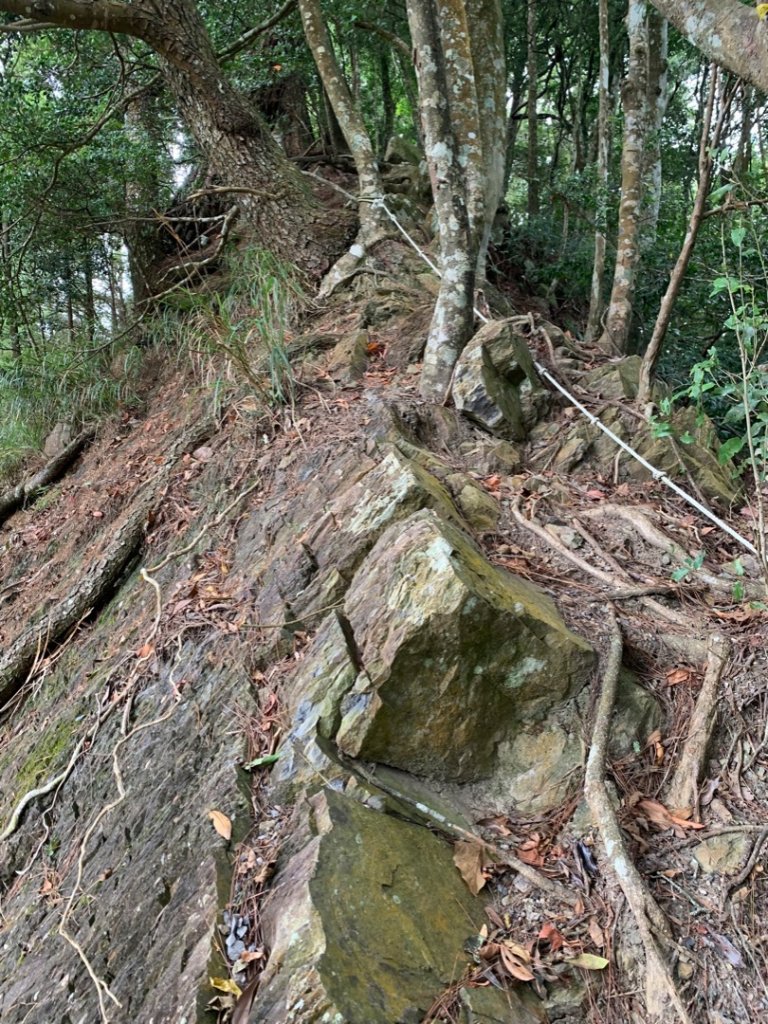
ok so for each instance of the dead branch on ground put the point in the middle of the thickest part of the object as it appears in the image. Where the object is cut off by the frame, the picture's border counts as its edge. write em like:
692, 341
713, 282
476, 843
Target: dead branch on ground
23, 493
97, 583
682, 792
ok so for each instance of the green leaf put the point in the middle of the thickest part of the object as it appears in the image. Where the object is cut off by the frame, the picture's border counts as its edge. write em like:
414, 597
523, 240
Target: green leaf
730, 448
261, 762
737, 567
589, 962
681, 573
698, 561
720, 192
737, 591
737, 236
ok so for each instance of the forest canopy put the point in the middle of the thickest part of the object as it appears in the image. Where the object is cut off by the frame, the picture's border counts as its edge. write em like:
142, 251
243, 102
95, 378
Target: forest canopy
591, 156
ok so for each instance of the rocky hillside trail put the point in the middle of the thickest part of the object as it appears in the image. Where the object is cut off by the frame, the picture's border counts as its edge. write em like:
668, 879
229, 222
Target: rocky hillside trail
363, 710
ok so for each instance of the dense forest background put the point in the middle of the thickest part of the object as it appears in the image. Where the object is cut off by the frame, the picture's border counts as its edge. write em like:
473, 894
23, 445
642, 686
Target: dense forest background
621, 140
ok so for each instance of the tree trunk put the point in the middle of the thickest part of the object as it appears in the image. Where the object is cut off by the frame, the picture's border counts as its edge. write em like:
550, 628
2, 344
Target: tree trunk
596, 296
533, 130
142, 192
453, 317
657, 88
235, 141
710, 140
615, 337
460, 70
489, 64
727, 31
373, 226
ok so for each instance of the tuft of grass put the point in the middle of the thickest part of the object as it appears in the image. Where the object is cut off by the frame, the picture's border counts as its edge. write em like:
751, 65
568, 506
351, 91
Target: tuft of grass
250, 325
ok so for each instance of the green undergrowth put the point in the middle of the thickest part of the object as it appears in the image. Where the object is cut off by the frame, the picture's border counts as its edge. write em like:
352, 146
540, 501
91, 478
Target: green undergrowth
61, 379
237, 338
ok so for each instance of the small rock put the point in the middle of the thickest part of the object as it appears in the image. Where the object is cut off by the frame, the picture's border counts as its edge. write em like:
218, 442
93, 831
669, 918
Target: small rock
684, 970
724, 855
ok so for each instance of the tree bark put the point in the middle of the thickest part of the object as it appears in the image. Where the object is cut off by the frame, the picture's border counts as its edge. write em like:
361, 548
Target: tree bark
489, 64
453, 317
596, 296
727, 31
615, 337
657, 89
372, 218
533, 129
709, 142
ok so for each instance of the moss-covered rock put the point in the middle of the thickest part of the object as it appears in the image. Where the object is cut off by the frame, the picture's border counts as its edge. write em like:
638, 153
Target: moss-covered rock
367, 924
494, 382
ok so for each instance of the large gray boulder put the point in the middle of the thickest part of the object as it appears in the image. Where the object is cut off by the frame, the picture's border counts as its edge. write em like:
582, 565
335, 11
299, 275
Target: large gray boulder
437, 664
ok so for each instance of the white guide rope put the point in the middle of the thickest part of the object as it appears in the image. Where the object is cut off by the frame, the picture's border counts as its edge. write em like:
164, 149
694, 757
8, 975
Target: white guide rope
657, 474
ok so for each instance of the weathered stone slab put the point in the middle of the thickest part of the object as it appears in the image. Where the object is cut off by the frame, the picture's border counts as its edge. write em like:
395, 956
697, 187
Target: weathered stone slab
366, 924
456, 655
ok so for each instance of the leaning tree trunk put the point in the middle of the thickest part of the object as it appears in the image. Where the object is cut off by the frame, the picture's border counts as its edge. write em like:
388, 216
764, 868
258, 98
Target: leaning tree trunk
596, 296
373, 225
235, 141
710, 140
615, 336
240, 149
727, 31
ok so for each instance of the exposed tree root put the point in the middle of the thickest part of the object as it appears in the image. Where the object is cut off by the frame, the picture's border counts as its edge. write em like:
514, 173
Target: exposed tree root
52, 471
658, 539
682, 792
621, 593
660, 989
97, 584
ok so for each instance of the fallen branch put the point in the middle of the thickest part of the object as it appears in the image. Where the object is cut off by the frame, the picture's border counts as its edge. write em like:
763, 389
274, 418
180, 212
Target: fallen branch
683, 790
660, 989
20, 495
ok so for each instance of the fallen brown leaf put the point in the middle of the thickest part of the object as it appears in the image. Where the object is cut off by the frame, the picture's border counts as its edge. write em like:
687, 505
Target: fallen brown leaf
221, 823
470, 859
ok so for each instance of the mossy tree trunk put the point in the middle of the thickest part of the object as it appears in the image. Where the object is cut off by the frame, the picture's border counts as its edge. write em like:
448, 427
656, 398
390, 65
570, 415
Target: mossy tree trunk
235, 141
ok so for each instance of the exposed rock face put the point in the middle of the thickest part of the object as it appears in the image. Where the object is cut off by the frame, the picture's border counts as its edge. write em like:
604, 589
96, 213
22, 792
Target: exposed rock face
454, 655
439, 663
494, 382
432, 661
368, 924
